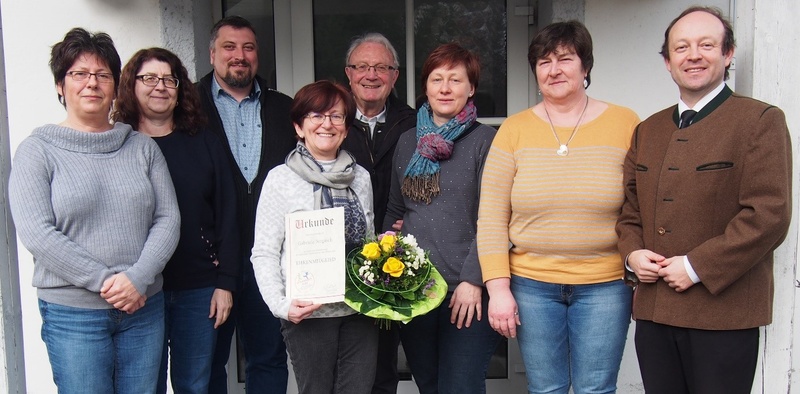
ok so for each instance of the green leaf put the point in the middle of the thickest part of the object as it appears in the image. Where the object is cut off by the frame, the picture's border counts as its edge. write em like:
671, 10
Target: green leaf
409, 295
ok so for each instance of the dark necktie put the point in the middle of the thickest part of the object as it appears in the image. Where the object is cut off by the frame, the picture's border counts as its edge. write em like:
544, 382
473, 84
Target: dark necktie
686, 118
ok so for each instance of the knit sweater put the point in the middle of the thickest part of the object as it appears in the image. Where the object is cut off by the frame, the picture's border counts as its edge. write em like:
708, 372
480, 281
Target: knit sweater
285, 192
558, 213
90, 205
208, 253
447, 226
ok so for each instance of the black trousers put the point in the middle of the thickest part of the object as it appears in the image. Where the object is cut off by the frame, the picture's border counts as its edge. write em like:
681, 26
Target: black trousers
675, 360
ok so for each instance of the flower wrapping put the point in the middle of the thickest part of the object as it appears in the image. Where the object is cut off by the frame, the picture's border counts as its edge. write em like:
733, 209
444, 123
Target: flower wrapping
392, 278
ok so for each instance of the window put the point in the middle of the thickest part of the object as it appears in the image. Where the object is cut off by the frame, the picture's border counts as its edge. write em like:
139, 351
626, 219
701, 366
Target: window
479, 26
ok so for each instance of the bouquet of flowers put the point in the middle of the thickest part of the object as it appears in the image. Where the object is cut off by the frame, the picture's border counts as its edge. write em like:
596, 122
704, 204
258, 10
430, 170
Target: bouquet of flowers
392, 278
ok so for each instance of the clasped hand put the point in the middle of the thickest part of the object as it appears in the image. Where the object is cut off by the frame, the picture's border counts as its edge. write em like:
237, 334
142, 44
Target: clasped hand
120, 292
650, 266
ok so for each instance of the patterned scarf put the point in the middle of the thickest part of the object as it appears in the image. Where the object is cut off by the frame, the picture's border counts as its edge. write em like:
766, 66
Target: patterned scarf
434, 144
332, 188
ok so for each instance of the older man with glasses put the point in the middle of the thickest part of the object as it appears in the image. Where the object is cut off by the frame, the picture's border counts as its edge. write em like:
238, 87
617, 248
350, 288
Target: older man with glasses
372, 69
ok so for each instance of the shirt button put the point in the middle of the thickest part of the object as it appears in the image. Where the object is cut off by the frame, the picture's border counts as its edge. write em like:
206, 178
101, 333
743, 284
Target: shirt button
241, 124
245, 168
244, 145
661, 231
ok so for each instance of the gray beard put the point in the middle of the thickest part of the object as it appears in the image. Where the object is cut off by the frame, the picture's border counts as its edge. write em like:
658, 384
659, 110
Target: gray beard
237, 81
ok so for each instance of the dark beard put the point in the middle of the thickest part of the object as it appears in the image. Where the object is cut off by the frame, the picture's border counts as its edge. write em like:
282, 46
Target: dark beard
242, 80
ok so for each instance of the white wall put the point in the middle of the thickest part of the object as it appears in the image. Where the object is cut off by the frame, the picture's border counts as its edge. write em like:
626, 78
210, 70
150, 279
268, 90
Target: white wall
627, 36
11, 356
775, 79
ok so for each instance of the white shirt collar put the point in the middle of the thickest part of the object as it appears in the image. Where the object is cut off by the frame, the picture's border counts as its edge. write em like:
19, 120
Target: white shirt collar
379, 118
703, 101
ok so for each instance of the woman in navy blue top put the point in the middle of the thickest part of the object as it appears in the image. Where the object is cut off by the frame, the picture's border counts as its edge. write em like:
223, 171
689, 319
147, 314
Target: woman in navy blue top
157, 98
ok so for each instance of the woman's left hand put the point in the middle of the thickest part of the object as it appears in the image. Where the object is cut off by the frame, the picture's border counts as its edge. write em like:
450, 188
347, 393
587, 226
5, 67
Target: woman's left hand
221, 304
300, 310
122, 294
465, 304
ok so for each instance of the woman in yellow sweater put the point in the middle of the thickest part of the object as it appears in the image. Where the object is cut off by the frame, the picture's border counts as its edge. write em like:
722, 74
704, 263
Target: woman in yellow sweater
552, 191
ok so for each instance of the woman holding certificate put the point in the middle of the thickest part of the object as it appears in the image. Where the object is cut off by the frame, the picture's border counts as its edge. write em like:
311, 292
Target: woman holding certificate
331, 345
434, 190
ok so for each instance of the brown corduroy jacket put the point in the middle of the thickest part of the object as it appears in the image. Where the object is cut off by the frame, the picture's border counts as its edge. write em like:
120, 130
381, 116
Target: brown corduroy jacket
718, 191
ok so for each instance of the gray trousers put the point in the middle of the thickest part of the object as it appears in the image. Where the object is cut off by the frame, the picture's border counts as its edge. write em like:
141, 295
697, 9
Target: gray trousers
334, 355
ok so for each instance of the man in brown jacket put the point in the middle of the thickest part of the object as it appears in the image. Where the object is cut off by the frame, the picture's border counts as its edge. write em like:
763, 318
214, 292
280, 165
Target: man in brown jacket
708, 188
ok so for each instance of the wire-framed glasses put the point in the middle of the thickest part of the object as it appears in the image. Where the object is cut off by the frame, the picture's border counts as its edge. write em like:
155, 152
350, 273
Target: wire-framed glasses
80, 76
152, 80
318, 119
379, 68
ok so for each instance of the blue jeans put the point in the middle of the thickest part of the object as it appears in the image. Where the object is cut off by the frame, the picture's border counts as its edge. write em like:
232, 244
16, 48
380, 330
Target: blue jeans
444, 359
101, 351
266, 367
189, 341
572, 334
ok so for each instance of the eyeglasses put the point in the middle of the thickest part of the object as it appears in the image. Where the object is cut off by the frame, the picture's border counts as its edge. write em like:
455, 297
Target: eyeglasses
379, 68
318, 119
80, 76
152, 80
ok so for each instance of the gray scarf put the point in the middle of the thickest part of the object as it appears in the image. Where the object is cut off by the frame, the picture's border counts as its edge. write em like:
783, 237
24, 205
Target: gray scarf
332, 188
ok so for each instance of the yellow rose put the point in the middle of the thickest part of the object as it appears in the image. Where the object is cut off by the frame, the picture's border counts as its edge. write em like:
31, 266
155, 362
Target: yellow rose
387, 242
393, 267
371, 251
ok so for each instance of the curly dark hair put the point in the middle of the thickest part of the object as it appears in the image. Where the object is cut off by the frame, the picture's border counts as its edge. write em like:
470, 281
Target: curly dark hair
78, 42
187, 116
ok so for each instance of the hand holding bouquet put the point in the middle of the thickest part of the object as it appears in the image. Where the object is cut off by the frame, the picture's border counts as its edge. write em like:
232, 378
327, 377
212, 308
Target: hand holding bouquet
392, 278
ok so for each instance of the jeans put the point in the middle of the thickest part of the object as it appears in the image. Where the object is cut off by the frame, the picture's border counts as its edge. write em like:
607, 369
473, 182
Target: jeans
444, 359
572, 334
334, 355
266, 368
189, 341
101, 351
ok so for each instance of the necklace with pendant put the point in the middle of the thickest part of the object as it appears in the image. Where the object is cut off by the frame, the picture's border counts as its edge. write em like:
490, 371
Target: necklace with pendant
563, 149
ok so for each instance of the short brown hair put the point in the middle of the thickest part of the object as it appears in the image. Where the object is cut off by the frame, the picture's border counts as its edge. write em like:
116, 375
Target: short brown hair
78, 42
319, 97
186, 117
728, 41
570, 34
451, 55
234, 21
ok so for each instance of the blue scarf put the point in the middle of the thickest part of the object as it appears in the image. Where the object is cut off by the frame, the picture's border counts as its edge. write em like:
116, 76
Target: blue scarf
434, 144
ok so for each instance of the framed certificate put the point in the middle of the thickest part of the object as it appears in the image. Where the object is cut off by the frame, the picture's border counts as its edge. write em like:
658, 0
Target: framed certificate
316, 250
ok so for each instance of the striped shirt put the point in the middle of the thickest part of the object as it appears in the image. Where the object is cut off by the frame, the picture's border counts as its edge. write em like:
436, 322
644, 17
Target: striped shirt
557, 212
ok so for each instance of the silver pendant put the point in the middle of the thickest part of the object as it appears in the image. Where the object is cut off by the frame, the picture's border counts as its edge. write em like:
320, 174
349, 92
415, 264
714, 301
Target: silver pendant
562, 150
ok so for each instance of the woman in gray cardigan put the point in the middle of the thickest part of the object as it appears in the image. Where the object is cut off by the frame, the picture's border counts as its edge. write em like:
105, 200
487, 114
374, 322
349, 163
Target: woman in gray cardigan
94, 204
